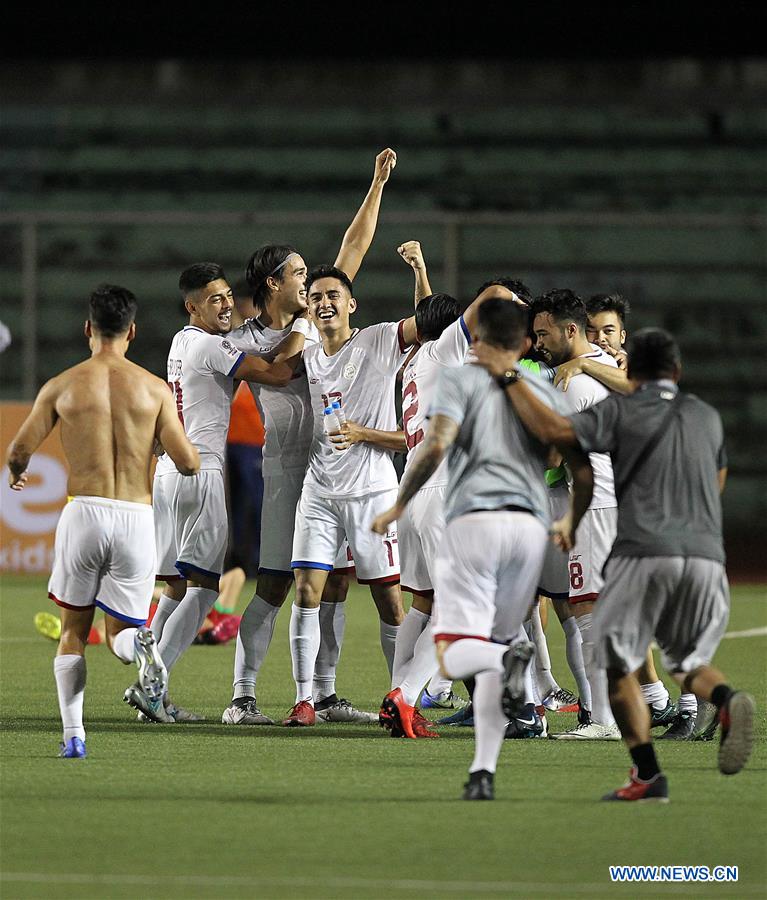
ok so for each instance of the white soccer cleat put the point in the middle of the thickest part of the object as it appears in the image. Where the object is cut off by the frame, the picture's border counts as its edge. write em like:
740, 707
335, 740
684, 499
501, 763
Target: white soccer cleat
590, 732
152, 676
342, 711
247, 714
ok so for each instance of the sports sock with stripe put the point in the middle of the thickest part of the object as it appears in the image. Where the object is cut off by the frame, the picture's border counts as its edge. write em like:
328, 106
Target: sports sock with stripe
655, 695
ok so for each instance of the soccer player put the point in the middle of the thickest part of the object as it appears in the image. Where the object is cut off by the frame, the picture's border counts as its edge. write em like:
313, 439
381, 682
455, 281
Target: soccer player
444, 338
606, 327
276, 277
111, 413
560, 329
665, 577
344, 489
190, 516
497, 515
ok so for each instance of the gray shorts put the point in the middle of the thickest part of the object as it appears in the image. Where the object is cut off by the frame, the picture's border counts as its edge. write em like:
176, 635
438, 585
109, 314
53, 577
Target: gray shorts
682, 602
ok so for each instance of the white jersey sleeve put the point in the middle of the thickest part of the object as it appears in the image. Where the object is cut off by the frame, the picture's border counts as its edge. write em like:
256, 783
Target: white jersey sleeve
582, 392
387, 346
219, 355
452, 346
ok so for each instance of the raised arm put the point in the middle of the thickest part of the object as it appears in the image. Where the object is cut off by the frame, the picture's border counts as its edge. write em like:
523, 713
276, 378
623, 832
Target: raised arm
359, 235
411, 252
429, 454
36, 428
170, 434
611, 377
292, 346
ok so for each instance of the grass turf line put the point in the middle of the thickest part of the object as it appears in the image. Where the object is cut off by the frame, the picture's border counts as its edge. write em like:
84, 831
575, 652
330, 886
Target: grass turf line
340, 811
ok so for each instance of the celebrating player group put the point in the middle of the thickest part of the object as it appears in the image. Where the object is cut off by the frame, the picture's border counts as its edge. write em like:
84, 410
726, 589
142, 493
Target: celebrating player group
548, 458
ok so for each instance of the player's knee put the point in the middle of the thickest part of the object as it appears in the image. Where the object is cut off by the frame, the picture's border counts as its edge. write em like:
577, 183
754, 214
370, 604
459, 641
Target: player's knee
274, 591
308, 595
336, 589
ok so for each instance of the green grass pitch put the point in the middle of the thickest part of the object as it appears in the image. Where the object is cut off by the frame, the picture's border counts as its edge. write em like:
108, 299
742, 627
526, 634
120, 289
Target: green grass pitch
212, 811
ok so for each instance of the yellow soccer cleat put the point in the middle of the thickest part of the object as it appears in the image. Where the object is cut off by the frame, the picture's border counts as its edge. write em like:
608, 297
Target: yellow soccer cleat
48, 625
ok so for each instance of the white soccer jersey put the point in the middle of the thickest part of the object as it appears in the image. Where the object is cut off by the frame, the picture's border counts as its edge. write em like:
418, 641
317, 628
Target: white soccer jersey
200, 371
419, 381
360, 376
287, 411
582, 392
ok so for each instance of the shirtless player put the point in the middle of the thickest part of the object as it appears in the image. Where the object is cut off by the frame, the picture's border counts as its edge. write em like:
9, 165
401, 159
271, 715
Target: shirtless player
111, 412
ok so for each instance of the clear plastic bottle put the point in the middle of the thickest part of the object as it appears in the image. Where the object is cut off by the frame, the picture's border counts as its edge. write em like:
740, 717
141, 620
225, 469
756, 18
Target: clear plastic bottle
330, 421
339, 411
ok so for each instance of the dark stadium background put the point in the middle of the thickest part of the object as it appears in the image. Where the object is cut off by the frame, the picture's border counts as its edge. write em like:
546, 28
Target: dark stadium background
615, 151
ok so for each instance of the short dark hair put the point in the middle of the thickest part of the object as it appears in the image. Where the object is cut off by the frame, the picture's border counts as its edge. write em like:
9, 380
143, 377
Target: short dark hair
506, 323
267, 261
328, 272
112, 310
600, 303
434, 313
652, 353
562, 304
198, 275
511, 284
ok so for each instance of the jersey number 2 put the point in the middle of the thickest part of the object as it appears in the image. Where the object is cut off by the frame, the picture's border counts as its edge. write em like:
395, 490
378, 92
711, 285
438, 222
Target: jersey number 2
178, 394
411, 440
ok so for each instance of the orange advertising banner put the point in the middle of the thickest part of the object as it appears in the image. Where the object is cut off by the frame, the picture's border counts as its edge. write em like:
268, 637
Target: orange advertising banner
28, 518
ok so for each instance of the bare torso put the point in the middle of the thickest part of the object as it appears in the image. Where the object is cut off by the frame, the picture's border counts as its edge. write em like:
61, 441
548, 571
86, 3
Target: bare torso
108, 409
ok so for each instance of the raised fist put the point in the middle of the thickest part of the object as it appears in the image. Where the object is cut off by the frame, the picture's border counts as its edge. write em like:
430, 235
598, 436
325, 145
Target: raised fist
385, 162
410, 251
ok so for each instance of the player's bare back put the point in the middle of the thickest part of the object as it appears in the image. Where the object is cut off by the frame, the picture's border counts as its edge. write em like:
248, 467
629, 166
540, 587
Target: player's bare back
108, 411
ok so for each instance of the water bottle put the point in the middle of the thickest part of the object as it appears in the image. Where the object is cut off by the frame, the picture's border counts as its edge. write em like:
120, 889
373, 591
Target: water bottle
339, 411
330, 421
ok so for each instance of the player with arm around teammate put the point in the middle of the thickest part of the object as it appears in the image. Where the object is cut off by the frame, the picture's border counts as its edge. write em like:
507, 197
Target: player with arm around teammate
497, 516
665, 578
111, 412
190, 515
276, 275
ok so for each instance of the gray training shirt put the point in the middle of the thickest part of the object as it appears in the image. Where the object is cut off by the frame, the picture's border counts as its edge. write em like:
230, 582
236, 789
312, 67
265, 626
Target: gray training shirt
671, 507
494, 462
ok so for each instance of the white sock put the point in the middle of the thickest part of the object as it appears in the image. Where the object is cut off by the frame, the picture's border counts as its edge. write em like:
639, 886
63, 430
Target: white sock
409, 631
184, 623
543, 676
332, 626
489, 720
468, 656
601, 713
304, 646
70, 673
655, 695
438, 684
423, 664
574, 653
531, 690
165, 608
253, 639
688, 703
389, 643
123, 646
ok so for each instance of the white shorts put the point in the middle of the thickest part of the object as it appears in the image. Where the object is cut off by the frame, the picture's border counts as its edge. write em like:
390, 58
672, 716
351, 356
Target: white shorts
683, 602
555, 579
323, 524
104, 556
191, 525
594, 540
487, 572
420, 534
278, 519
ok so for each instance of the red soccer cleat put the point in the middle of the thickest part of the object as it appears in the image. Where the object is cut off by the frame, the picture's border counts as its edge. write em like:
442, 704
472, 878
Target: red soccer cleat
302, 714
225, 629
655, 789
396, 715
422, 727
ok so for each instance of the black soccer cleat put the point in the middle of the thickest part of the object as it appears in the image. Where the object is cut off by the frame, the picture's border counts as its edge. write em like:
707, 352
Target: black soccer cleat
682, 729
660, 718
479, 786
515, 662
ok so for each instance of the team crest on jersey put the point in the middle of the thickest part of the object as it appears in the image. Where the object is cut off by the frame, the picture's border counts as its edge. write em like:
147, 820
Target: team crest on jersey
350, 370
228, 347
314, 381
